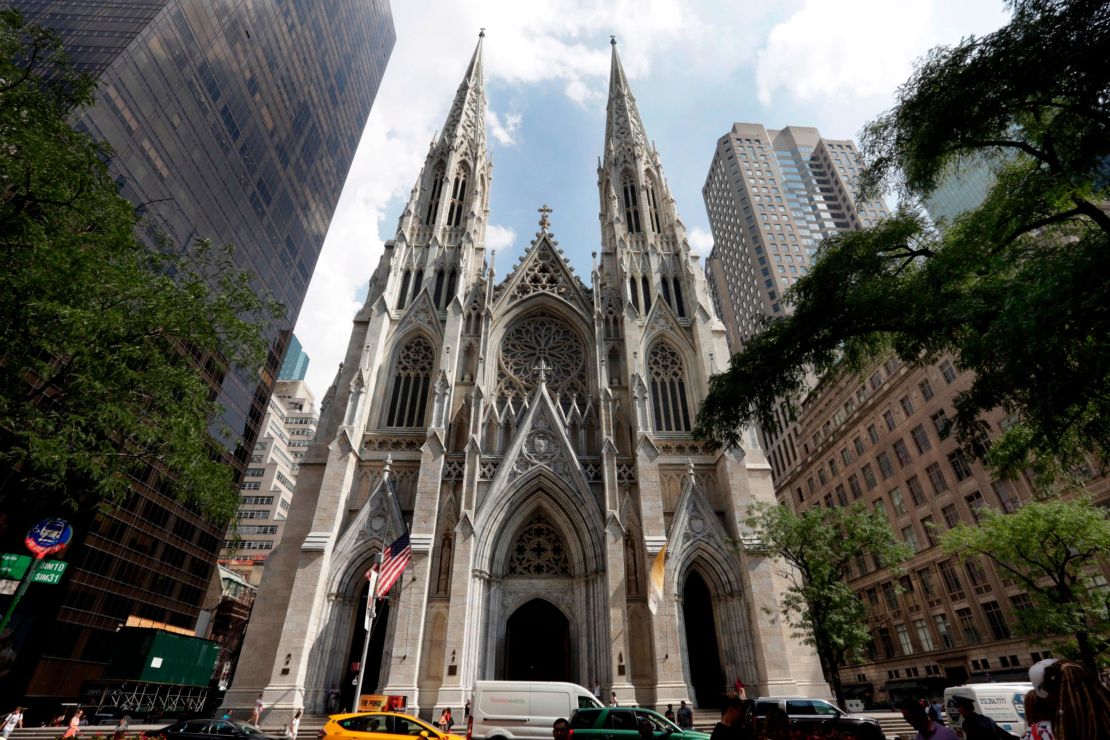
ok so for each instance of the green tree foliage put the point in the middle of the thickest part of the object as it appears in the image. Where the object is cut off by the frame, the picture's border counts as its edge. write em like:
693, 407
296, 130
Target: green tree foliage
1052, 548
1015, 290
819, 545
98, 376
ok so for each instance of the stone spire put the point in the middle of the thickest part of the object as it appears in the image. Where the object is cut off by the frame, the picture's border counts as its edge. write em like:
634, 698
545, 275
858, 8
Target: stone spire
623, 127
466, 123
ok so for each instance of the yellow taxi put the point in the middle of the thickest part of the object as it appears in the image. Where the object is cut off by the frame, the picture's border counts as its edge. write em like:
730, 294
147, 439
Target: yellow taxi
381, 726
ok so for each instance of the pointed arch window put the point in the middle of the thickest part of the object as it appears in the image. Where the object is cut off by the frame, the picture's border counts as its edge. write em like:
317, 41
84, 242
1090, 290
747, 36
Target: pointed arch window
645, 283
403, 293
631, 205
412, 374
668, 389
434, 198
653, 204
458, 197
634, 292
444, 279
672, 294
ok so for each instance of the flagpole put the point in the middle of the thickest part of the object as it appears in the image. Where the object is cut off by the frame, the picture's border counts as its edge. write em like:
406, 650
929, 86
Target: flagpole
371, 615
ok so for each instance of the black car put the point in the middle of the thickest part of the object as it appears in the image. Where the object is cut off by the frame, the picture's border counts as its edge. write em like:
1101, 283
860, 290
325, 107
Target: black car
208, 729
817, 715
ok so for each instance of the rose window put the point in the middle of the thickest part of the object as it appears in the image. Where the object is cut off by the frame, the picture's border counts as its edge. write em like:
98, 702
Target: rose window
538, 551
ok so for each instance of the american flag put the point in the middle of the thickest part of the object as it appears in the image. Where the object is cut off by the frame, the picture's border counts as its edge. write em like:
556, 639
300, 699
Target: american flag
394, 561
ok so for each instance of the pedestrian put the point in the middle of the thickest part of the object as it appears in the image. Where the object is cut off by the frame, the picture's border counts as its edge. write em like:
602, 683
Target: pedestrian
975, 726
613, 699
561, 729
227, 714
595, 687
685, 716
121, 729
669, 714
295, 724
466, 710
256, 715
736, 721
74, 724
12, 721
927, 727
445, 719
1082, 703
1039, 713
936, 709
333, 698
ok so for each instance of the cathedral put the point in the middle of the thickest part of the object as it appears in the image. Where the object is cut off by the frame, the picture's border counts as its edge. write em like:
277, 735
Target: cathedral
533, 435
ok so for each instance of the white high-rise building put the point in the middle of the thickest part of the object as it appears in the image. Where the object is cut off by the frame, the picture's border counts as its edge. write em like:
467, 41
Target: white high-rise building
772, 196
533, 435
266, 492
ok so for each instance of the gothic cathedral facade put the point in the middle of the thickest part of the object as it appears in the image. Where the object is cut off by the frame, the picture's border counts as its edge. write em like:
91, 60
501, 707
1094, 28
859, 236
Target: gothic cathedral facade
534, 436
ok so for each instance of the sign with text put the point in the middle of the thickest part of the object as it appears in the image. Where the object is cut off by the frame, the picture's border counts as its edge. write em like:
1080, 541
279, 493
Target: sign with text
50, 572
13, 565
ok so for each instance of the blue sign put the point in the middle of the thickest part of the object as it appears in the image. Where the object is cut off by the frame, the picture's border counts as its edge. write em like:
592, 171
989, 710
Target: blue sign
48, 537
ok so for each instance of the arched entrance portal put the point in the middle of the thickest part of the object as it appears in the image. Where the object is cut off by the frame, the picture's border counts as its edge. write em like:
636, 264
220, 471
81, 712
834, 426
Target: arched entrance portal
537, 644
702, 651
347, 701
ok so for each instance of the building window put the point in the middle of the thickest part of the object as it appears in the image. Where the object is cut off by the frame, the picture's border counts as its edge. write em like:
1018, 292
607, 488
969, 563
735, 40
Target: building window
902, 453
458, 198
653, 205
942, 424
845, 456
885, 467
907, 405
411, 380
959, 465
976, 575
947, 371
930, 529
917, 493
921, 439
668, 390
925, 637
910, 538
951, 515
410, 280
888, 418
904, 638
854, 486
951, 580
873, 434
925, 578
896, 500
634, 292
433, 199
858, 444
936, 477
926, 389
967, 626
868, 477
944, 630
889, 596
1021, 602
1007, 497
631, 205
975, 503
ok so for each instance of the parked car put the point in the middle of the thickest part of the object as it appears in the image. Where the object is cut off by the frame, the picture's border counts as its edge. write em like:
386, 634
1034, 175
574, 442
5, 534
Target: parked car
515, 710
212, 729
817, 715
380, 726
623, 723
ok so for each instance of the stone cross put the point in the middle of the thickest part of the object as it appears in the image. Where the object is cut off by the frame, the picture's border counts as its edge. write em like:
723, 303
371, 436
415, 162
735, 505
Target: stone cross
544, 213
542, 367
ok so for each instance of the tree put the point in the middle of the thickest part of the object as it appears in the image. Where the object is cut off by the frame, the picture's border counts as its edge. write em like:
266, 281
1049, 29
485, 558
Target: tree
1015, 290
819, 545
101, 336
1053, 548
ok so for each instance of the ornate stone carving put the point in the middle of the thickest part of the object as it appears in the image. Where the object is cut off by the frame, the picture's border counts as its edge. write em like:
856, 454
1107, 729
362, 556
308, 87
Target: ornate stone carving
542, 446
541, 340
538, 551
544, 274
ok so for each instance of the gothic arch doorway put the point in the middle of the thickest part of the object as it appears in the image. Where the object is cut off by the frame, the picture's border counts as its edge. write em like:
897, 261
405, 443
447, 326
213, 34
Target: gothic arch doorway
537, 644
702, 651
374, 652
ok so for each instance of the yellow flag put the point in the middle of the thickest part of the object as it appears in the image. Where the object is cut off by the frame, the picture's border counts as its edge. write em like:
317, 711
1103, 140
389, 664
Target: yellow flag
655, 591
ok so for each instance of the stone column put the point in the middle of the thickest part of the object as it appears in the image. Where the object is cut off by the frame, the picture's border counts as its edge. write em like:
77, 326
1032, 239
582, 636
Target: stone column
455, 690
619, 658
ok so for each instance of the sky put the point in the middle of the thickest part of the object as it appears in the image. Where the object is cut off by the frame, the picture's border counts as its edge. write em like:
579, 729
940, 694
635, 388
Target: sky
695, 68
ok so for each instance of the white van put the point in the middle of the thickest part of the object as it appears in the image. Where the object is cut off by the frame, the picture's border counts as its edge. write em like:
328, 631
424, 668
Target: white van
1002, 702
507, 710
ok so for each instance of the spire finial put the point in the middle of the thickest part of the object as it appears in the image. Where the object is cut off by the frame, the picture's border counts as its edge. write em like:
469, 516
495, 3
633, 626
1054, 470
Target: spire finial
481, 33
612, 40
545, 222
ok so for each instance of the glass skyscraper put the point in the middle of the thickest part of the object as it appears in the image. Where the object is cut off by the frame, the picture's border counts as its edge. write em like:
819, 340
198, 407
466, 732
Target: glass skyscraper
230, 120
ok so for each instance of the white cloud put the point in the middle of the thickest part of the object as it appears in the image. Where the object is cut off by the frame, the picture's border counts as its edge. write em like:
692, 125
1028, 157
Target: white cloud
852, 49
499, 237
503, 133
701, 241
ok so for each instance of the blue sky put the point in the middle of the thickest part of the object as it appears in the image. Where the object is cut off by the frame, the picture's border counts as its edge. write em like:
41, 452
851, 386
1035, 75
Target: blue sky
696, 66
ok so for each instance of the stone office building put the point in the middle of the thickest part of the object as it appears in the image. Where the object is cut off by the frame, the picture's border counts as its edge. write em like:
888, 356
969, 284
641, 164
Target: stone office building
534, 433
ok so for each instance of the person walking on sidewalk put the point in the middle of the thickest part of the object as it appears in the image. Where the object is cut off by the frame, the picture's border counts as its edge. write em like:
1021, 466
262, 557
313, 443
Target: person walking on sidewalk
74, 724
12, 721
121, 729
685, 716
295, 724
256, 715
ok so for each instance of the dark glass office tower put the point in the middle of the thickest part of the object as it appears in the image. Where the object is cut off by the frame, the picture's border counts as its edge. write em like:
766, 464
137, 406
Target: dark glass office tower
235, 120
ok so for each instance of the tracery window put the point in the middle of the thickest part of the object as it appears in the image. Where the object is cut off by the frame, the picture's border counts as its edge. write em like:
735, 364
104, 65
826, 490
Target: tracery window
536, 338
538, 551
668, 390
653, 205
458, 197
631, 204
412, 374
672, 294
410, 286
444, 278
433, 200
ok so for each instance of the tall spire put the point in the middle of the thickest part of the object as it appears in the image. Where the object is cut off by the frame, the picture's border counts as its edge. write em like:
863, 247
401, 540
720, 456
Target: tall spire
623, 127
467, 119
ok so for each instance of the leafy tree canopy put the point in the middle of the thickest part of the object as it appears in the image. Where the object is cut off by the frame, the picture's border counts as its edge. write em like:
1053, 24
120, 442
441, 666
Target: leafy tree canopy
97, 341
1016, 290
819, 545
1052, 548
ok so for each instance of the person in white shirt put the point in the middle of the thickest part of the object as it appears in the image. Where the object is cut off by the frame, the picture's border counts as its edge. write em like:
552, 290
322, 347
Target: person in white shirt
12, 721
